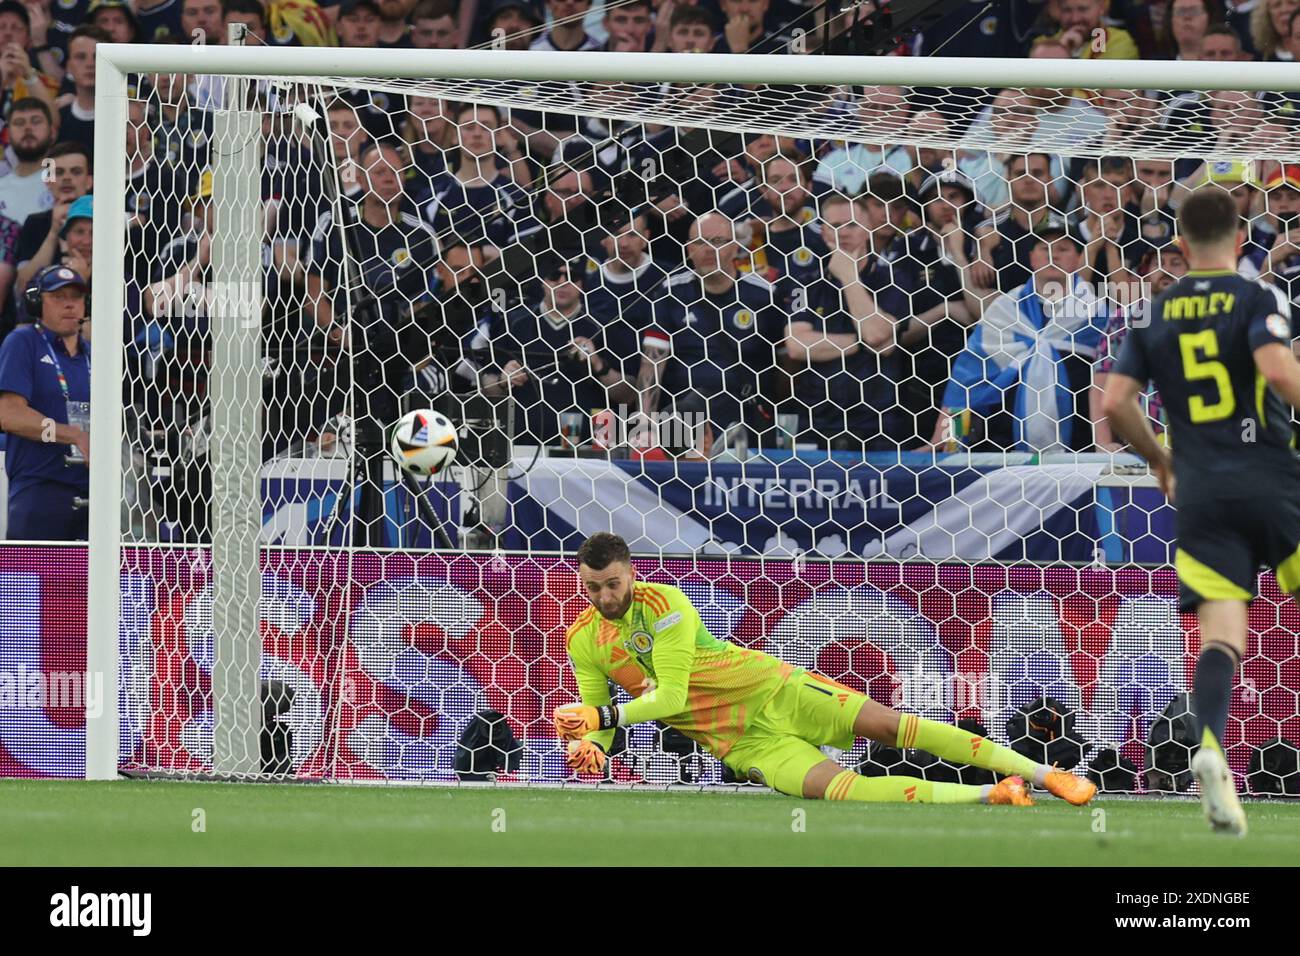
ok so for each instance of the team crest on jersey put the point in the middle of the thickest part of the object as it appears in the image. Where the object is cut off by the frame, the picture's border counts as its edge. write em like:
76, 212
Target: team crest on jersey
592, 266
756, 776
401, 257
379, 101
1278, 326
989, 26
640, 642
806, 215
743, 319
67, 4
802, 256
161, 32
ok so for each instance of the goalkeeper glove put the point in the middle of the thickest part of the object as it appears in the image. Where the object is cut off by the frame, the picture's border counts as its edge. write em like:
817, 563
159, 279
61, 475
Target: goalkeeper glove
586, 756
577, 720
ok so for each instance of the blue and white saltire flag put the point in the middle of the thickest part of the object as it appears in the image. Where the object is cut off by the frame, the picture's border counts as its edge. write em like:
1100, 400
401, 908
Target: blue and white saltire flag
1017, 346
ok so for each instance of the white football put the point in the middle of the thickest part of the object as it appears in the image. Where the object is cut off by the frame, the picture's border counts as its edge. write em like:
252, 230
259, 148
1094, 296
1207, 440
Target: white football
423, 442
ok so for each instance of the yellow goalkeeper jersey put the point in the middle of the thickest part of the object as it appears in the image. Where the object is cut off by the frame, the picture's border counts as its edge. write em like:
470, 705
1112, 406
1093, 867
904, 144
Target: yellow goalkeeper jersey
707, 688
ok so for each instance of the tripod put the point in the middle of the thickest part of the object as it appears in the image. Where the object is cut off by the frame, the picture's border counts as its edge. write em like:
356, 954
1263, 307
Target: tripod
426, 511
369, 514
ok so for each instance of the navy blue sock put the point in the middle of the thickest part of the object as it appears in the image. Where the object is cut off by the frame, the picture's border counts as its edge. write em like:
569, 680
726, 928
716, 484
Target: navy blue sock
1213, 691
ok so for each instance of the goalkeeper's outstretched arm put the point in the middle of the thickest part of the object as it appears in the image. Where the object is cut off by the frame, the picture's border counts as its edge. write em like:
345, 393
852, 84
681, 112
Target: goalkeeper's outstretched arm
585, 752
593, 688
667, 695
674, 656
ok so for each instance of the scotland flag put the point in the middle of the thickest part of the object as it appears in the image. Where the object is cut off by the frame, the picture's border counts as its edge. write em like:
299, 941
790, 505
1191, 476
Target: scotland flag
1017, 347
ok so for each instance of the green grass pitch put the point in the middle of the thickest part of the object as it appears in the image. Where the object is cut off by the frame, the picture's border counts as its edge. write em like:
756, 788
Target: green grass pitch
151, 823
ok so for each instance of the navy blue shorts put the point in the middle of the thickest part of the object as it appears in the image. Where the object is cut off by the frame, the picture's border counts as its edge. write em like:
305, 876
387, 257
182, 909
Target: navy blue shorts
1223, 542
44, 512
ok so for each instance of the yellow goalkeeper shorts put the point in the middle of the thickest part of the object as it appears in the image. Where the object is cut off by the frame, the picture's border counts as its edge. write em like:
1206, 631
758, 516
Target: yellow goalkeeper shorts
780, 745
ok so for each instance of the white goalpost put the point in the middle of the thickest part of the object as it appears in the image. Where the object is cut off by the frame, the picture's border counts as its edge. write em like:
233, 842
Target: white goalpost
367, 649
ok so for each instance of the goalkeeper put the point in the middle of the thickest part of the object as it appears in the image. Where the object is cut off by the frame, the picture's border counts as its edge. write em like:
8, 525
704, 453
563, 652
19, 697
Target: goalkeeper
764, 718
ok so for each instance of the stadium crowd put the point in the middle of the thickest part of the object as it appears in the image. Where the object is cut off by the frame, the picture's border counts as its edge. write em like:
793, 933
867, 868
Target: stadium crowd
888, 297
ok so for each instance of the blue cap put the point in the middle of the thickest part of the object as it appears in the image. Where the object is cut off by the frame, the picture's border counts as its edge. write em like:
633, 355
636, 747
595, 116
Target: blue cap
82, 208
56, 277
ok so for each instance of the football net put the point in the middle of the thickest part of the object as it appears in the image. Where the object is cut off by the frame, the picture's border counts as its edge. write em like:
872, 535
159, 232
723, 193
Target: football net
825, 349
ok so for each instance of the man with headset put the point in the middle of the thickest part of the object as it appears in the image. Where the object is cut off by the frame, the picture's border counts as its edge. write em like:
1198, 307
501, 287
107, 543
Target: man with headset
45, 408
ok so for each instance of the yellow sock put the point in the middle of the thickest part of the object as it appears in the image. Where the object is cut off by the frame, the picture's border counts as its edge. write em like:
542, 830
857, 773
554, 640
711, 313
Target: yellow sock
952, 743
1209, 740
851, 786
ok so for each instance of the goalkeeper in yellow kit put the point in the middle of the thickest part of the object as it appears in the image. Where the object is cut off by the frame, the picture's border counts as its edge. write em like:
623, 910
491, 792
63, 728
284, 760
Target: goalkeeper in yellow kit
764, 718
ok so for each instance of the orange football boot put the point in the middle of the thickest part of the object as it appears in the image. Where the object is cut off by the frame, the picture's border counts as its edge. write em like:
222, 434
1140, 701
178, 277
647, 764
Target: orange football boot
1011, 792
1070, 788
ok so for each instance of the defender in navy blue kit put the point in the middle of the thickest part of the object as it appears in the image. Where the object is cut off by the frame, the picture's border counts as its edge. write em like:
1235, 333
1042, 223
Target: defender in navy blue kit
1218, 348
